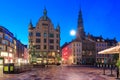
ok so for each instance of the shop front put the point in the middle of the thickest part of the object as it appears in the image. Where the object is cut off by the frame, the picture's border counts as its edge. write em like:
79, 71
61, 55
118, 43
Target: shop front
1, 65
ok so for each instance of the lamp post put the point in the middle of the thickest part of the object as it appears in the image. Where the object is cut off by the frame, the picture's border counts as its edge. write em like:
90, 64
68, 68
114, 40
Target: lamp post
111, 65
103, 66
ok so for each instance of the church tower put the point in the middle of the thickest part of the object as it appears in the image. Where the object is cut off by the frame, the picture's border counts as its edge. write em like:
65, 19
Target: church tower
80, 28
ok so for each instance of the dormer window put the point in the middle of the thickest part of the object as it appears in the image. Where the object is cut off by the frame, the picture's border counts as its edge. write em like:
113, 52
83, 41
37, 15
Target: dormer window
98, 40
103, 40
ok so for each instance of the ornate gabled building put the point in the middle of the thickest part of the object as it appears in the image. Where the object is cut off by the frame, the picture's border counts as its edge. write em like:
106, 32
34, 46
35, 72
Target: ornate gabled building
44, 41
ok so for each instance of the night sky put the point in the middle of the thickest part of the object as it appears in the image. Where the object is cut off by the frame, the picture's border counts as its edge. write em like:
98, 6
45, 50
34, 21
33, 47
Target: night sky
101, 17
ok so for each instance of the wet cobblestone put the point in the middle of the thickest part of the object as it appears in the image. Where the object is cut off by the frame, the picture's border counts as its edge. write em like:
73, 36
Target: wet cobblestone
61, 73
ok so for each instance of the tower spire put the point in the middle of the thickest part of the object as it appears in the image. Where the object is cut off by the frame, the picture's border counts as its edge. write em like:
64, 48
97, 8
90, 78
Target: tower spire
30, 24
80, 19
80, 29
45, 13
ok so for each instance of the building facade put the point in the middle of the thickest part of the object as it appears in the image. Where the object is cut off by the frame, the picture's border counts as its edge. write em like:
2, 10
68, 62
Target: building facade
72, 53
11, 49
101, 44
67, 57
77, 51
44, 41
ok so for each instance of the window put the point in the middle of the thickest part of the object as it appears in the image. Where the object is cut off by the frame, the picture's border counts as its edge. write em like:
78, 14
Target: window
45, 47
5, 42
37, 46
44, 24
38, 34
30, 34
45, 40
45, 35
51, 35
1, 30
7, 37
1, 47
57, 41
57, 47
37, 40
51, 47
1, 35
51, 41
98, 40
30, 40
57, 35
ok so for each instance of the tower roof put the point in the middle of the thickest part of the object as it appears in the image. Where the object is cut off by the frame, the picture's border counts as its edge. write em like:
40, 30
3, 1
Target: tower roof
80, 19
44, 17
45, 12
30, 24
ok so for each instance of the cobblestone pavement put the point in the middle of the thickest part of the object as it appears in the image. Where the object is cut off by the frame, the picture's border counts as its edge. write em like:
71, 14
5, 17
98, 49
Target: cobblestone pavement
61, 73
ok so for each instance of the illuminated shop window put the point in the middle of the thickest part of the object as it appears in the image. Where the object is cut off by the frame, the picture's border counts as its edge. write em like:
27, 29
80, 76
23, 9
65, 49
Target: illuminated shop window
4, 54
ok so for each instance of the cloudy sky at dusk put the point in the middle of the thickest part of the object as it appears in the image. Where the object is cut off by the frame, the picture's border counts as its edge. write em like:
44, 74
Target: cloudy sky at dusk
101, 17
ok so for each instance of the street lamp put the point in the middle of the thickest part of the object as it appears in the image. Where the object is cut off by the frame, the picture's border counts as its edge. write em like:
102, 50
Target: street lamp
103, 62
111, 65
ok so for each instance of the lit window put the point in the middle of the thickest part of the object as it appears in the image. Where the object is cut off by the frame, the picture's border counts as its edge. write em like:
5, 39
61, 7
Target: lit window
98, 40
6, 60
4, 54
11, 61
10, 55
53, 53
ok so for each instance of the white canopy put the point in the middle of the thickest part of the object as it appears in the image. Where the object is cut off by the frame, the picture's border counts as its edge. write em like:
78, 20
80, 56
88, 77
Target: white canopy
112, 50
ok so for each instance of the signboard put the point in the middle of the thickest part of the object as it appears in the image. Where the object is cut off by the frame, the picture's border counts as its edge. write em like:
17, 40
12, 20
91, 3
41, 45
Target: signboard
5, 68
11, 68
